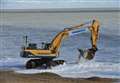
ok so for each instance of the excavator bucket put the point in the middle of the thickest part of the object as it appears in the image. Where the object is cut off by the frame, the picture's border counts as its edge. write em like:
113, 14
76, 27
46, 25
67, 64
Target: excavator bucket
87, 54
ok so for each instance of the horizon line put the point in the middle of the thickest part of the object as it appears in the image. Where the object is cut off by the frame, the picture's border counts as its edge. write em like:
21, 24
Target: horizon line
59, 10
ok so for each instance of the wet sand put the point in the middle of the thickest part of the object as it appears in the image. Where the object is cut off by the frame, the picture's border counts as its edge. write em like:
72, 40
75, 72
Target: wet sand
12, 77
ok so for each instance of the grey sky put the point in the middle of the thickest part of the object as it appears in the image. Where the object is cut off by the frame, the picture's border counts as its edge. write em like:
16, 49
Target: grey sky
40, 4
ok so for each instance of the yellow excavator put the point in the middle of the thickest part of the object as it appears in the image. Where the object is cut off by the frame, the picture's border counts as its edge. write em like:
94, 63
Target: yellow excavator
44, 57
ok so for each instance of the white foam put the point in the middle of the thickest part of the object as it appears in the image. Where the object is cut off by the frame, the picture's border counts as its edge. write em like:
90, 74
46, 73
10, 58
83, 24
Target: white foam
83, 70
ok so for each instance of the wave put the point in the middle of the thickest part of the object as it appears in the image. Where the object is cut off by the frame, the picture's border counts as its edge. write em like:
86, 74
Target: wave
83, 69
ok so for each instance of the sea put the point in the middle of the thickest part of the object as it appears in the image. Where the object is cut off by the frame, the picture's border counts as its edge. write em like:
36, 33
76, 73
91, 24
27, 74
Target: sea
42, 27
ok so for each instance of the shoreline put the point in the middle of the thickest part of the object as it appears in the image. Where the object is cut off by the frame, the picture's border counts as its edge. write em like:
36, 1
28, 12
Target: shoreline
12, 77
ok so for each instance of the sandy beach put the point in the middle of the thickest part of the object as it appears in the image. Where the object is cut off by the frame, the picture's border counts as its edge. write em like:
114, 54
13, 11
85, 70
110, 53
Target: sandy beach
12, 77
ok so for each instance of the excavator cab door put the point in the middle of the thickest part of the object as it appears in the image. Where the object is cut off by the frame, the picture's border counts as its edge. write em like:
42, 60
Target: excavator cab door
46, 46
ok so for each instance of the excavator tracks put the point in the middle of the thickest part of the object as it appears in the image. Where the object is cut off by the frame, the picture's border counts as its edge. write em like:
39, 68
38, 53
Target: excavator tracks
43, 63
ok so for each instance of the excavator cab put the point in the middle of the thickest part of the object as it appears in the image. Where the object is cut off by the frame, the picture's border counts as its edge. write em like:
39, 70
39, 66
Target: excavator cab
28, 45
32, 46
46, 46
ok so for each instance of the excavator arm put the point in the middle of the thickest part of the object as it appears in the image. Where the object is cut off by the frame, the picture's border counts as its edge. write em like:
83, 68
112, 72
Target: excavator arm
52, 49
94, 28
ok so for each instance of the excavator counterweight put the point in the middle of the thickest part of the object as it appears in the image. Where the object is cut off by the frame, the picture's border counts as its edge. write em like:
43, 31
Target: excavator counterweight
49, 51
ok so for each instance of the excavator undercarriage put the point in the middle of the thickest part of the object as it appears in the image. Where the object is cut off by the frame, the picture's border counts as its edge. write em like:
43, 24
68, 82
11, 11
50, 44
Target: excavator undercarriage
44, 57
44, 63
